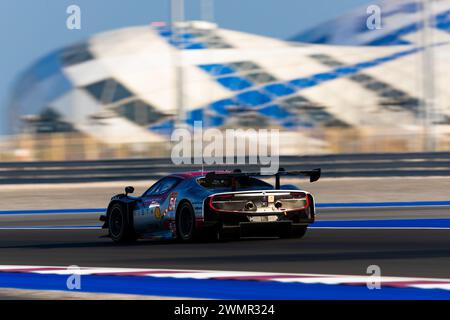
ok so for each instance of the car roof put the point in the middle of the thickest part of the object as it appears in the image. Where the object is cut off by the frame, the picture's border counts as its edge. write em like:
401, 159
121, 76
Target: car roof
187, 175
193, 174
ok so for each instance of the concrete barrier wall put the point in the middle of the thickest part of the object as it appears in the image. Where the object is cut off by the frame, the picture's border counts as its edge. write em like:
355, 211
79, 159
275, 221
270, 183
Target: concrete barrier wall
333, 166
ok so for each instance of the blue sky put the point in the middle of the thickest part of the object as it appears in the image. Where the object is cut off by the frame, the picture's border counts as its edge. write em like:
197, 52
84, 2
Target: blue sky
31, 28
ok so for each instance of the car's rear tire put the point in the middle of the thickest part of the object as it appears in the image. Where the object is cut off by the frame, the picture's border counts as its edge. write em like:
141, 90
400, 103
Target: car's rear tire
185, 222
209, 234
119, 227
297, 232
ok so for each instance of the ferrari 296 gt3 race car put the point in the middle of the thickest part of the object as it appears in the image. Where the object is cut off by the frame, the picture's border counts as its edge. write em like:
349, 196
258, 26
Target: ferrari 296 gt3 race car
186, 206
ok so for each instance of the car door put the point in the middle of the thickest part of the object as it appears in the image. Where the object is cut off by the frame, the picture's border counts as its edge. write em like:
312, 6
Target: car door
149, 211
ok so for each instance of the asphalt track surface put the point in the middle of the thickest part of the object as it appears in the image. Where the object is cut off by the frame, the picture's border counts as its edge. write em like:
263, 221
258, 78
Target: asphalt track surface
399, 252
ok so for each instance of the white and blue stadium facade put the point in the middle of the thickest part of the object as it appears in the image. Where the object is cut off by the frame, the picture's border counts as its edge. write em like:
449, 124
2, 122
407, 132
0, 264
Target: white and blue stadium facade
121, 86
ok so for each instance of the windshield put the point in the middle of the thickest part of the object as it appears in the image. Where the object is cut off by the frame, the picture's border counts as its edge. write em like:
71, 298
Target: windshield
162, 186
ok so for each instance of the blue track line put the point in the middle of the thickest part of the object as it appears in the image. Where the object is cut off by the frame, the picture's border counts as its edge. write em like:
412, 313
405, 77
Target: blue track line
54, 211
215, 289
90, 227
318, 205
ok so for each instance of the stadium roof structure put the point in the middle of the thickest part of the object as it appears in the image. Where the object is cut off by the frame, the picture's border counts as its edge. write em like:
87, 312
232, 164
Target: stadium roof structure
121, 86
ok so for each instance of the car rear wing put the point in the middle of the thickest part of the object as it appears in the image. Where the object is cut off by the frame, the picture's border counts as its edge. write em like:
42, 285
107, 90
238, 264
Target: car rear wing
313, 175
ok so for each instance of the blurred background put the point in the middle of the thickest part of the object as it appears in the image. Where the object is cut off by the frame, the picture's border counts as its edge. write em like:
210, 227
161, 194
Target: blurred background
135, 71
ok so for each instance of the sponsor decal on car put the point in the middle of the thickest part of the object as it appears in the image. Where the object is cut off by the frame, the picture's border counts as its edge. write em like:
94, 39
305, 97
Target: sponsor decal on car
157, 213
172, 201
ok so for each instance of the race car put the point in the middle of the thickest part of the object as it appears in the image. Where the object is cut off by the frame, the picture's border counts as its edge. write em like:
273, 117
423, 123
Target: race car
195, 205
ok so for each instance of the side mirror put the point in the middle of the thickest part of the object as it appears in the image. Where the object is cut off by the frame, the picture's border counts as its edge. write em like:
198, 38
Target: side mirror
129, 190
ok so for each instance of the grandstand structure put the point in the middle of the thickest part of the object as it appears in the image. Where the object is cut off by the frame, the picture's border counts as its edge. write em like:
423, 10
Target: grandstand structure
328, 86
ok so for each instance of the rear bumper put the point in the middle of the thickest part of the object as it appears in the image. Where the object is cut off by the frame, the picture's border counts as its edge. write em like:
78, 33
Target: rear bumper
234, 219
243, 223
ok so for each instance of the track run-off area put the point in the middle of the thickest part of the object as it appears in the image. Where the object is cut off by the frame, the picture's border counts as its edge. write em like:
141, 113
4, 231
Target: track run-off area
408, 241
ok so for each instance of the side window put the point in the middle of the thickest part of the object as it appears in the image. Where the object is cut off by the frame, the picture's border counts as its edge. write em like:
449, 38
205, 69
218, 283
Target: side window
152, 189
162, 186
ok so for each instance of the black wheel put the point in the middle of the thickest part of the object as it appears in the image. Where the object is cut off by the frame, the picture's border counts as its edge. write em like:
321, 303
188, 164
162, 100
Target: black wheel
296, 232
120, 229
185, 222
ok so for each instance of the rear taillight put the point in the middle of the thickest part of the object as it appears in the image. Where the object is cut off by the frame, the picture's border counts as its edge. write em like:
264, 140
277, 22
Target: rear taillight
299, 200
298, 194
227, 203
223, 197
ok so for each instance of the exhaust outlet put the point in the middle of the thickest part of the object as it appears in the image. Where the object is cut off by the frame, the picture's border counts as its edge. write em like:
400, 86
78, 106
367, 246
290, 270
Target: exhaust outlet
250, 206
